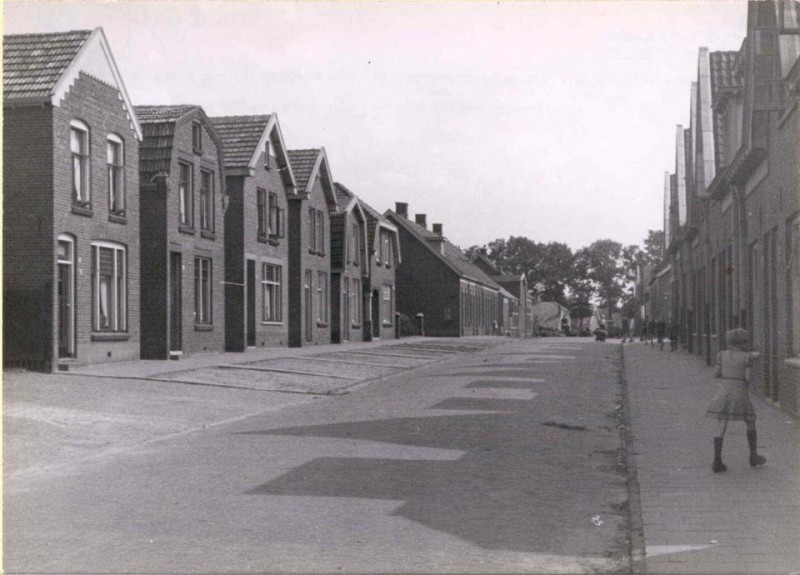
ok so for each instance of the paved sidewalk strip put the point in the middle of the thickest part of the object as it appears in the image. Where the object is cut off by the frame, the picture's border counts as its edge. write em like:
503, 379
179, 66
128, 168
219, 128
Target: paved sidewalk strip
746, 520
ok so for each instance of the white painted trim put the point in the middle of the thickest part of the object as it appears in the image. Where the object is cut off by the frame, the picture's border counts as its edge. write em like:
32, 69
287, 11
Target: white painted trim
664, 271
72, 71
272, 125
114, 138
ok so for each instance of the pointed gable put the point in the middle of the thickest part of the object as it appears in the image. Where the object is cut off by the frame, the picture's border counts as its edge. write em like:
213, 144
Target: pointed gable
158, 128
244, 139
307, 166
39, 68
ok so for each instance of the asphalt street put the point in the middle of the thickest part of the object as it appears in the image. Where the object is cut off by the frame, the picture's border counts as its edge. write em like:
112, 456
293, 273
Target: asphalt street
467, 456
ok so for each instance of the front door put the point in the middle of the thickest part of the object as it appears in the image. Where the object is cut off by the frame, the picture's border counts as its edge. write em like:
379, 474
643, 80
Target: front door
376, 314
251, 303
66, 297
309, 305
176, 302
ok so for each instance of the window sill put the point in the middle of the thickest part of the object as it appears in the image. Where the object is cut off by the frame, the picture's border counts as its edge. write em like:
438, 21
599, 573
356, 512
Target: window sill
387, 324
273, 323
184, 229
117, 218
273, 241
793, 362
262, 239
356, 326
313, 252
322, 324
79, 210
207, 234
197, 151
110, 336
203, 327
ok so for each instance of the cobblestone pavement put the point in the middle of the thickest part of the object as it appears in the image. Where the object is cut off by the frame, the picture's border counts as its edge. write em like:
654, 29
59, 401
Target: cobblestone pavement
746, 520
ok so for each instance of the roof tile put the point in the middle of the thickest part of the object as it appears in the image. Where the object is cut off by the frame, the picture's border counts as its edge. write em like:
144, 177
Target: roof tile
33, 63
302, 162
240, 136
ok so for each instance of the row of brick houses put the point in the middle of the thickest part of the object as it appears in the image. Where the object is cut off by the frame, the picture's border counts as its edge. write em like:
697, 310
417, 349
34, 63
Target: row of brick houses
732, 205
157, 231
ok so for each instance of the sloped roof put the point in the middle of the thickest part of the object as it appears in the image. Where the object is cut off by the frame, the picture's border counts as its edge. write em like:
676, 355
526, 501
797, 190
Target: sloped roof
456, 259
373, 219
240, 136
724, 71
154, 114
33, 63
343, 195
303, 162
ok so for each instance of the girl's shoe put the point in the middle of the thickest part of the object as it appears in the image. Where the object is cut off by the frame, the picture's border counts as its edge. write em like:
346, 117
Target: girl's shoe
718, 466
755, 458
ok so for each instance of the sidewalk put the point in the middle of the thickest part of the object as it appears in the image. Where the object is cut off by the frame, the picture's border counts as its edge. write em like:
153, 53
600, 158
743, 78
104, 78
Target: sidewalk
746, 520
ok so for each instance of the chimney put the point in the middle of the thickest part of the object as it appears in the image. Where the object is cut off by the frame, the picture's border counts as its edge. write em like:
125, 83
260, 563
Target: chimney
420, 220
437, 229
401, 209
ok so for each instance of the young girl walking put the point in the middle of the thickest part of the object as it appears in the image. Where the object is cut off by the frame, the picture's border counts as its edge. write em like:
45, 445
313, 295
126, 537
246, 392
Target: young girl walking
732, 402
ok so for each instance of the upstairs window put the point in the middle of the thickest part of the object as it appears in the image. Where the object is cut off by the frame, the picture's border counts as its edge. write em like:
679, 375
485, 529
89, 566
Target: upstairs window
79, 146
261, 208
275, 217
322, 297
207, 200
185, 194
267, 154
320, 232
356, 243
115, 158
387, 307
197, 138
312, 230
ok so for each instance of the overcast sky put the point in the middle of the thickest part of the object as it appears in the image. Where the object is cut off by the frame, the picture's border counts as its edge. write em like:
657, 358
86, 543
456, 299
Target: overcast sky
550, 120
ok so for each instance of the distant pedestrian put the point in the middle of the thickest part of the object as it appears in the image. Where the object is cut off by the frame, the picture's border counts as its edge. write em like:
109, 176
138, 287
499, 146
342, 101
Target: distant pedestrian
732, 401
674, 334
651, 331
626, 329
661, 331
643, 336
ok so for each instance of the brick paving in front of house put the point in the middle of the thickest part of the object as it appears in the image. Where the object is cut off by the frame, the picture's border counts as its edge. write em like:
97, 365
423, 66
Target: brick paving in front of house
745, 520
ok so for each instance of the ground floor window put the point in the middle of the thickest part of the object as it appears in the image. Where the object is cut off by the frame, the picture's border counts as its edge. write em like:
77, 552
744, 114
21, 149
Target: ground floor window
355, 302
271, 309
322, 297
109, 287
387, 307
793, 254
202, 290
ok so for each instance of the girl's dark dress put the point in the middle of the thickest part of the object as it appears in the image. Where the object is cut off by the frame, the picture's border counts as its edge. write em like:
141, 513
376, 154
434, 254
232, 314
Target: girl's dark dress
732, 400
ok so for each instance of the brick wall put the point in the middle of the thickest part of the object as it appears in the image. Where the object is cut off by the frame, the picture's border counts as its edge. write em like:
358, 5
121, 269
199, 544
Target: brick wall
28, 237
425, 284
243, 244
300, 260
384, 274
100, 107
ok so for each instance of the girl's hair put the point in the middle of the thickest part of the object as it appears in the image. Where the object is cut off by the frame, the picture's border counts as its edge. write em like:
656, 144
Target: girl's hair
737, 337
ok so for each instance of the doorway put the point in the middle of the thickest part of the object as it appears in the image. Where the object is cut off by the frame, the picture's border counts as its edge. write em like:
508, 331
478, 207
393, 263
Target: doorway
175, 303
66, 296
250, 298
376, 314
345, 315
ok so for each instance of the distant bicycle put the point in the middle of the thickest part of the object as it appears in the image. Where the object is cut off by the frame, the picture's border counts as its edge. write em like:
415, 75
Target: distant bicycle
600, 335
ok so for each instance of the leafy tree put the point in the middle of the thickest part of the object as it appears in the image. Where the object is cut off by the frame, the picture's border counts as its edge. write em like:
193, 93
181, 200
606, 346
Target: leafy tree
604, 268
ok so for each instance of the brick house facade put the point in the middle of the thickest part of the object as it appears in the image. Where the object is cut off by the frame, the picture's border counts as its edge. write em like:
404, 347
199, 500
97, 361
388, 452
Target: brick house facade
71, 203
349, 267
380, 292
308, 226
733, 230
438, 280
258, 179
183, 203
